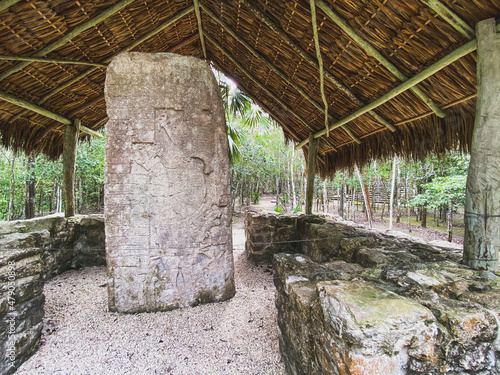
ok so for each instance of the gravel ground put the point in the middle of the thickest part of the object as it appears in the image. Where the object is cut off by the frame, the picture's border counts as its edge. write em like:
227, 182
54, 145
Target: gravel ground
239, 336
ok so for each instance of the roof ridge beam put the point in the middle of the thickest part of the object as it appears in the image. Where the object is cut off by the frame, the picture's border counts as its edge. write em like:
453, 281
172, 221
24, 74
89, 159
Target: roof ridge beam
44, 112
66, 38
367, 47
302, 53
200, 28
270, 65
131, 46
47, 60
451, 18
426, 73
4, 4
261, 86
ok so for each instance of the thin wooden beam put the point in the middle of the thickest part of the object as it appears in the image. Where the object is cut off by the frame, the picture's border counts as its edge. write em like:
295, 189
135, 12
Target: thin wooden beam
434, 68
44, 112
314, 25
377, 55
302, 53
137, 42
69, 163
200, 28
53, 61
267, 63
312, 155
451, 18
70, 35
260, 85
4, 4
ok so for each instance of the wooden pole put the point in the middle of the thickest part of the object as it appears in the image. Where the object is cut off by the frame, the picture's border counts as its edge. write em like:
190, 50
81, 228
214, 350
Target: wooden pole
453, 19
311, 172
69, 160
482, 197
53, 61
434, 68
45, 112
391, 198
200, 28
70, 35
4, 4
376, 54
302, 53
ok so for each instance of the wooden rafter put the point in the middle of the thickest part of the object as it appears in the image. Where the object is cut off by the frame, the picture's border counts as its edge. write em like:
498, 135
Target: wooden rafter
260, 85
367, 47
133, 45
5, 4
70, 35
53, 61
452, 18
200, 27
434, 68
268, 64
302, 53
44, 112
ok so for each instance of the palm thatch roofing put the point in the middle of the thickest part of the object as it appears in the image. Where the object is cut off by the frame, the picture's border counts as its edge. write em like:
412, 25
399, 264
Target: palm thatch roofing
361, 51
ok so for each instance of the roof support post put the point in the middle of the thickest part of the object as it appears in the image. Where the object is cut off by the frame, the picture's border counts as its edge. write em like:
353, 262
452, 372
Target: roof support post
377, 55
482, 197
200, 28
69, 163
311, 172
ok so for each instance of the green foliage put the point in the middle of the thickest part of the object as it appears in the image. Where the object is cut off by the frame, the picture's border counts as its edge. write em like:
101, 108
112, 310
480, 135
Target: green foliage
442, 190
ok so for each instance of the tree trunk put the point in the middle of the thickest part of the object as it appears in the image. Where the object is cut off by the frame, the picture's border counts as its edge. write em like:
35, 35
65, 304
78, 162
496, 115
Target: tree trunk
398, 194
311, 172
342, 197
69, 159
10, 209
424, 217
482, 203
365, 197
450, 221
391, 198
29, 208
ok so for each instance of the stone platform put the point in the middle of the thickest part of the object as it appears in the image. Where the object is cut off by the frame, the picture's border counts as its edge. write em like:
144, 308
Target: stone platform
355, 301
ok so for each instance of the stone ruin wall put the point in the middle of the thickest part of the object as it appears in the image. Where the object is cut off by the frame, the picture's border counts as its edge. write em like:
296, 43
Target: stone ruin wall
167, 189
355, 301
33, 251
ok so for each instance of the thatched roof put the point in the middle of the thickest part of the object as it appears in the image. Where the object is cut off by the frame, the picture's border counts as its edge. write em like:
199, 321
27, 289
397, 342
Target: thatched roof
268, 48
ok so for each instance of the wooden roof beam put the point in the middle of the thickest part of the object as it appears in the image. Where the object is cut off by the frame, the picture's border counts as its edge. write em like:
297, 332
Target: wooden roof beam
44, 112
267, 63
137, 42
200, 28
4, 4
302, 53
52, 61
434, 68
70, 35
260, 85
451, 18
367, 47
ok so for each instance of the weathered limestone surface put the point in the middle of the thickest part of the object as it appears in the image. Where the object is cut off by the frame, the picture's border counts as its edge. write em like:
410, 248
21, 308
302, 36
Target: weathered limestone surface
21, 306
65, 243
168, 219
31, 252
354, 301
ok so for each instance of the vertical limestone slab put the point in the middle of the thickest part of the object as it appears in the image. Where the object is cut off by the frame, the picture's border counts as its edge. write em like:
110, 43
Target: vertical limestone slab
167, 188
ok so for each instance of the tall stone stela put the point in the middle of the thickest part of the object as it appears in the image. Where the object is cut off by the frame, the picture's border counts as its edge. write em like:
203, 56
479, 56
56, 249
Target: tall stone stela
167, 187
